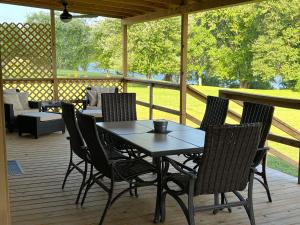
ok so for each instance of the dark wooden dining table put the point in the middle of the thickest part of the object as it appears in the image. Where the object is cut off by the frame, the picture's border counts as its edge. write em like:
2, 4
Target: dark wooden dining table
179, 139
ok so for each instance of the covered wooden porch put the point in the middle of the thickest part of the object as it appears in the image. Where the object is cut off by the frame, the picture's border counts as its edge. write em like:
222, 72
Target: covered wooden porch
37, 198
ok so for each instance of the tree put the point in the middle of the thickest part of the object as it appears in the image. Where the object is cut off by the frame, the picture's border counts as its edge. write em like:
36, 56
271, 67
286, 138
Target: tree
73, 42
154, 48
277, 50
107, 41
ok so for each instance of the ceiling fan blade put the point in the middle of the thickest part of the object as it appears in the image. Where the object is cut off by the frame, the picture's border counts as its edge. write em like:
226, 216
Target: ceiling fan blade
85, 16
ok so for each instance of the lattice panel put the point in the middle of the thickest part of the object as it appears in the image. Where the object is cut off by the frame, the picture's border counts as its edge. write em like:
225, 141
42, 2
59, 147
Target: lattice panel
75, 90
26, 50
38, 90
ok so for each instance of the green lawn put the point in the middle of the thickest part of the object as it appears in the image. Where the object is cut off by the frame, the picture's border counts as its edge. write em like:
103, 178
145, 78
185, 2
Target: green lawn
170, 99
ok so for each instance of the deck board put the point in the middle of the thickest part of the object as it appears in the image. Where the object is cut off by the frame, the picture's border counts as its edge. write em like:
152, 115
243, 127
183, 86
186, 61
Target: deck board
37, 199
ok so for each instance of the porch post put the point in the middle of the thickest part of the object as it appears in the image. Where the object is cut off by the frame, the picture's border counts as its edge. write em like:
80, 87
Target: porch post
125, 55
183, 66
53, 46
4, 198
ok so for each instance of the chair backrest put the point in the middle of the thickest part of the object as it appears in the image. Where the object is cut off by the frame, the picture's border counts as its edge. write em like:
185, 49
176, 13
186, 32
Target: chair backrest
76, 140
258, 113
118, 107
215, 112
227, 157
98, 155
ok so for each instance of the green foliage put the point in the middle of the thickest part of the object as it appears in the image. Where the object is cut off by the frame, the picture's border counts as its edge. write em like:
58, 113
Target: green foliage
107, 38
247, 45
154, 47
73, 42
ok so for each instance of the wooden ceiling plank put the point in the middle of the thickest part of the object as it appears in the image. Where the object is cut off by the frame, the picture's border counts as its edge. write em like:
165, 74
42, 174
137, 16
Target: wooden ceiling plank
55, 6
191, 8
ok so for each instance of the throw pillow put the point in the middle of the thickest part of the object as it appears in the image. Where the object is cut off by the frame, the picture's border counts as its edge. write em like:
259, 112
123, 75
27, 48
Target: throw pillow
23, 96
92, 97
100, 89
13, 98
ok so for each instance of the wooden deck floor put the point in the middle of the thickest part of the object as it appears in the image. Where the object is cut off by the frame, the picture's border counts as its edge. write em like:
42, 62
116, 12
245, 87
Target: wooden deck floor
37, 198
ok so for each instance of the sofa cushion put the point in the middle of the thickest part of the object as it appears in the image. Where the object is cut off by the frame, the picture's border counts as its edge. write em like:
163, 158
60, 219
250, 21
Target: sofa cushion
23, 96
92, 97
44, 116
93, 107
95, 113
13, 98
7, 91
20, 112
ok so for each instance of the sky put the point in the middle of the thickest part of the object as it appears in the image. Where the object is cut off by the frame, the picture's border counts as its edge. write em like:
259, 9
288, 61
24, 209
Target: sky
16, 14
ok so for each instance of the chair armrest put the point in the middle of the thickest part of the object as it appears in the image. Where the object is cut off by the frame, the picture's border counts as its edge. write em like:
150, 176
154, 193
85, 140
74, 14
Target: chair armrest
35, 105
9, 112
181, 168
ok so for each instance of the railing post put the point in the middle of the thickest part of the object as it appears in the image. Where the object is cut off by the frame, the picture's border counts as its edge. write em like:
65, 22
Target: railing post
183, 66
151, 101
54, 65
125, 55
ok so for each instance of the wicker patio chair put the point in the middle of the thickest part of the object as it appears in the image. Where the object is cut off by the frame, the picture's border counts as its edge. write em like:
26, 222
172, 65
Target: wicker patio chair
78, 148
252, 113
224, 167
128, 170
118, 107
215, 114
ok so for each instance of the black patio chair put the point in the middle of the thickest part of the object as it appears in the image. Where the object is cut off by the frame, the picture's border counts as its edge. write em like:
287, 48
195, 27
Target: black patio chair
215, 115
77, 146
128, 170
225, 166
252, 113
118, 107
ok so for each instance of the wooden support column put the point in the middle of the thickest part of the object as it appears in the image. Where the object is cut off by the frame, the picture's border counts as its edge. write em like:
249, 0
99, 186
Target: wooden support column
125, 55
54, 65
299, 168
183, 66
4, 198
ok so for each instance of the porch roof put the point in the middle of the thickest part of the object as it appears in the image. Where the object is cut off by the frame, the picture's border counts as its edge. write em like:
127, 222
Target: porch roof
131, 11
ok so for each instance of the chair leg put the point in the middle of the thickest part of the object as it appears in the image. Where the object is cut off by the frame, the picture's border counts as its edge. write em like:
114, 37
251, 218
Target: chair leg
69, 170
88, 184
250, 210
264, 176
83, 182
191, 210
108, 204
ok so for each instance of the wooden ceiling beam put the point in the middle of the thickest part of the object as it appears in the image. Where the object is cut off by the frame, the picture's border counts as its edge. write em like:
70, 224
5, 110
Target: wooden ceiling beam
191, 8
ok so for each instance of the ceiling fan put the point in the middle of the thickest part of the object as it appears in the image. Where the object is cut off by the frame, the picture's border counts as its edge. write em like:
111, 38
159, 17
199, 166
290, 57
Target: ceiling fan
67, 17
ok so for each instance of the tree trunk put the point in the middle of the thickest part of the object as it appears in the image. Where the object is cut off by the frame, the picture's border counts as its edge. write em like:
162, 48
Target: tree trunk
168, 77
243, 84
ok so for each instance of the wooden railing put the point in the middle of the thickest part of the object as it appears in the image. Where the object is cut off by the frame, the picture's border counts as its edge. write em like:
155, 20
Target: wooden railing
239, 97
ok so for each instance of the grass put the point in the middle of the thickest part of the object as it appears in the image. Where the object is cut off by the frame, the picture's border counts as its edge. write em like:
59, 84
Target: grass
170, 99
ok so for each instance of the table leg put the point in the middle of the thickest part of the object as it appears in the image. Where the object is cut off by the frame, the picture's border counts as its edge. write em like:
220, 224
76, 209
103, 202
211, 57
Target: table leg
159, 167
